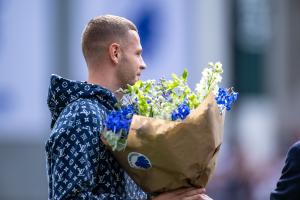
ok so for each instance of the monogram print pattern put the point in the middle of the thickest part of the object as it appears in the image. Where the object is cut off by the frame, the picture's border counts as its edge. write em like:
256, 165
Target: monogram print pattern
78, 164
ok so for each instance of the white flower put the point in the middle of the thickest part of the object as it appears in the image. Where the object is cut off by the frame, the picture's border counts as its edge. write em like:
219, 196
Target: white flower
164, 96
211, 76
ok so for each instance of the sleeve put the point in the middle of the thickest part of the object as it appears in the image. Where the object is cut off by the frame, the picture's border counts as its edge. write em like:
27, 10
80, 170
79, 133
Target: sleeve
288, 185
75, 156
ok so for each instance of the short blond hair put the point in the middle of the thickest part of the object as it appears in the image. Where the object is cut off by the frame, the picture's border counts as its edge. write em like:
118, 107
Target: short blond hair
101, 31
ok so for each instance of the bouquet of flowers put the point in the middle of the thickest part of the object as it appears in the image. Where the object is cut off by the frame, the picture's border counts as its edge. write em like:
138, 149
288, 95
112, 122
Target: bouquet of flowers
167, 136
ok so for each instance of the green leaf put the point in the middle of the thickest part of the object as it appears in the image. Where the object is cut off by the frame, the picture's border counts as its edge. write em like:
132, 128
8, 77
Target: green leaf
148, 87
172, 84
193, 101
174, 76
138, 84
187, 91
130, 89
184, 75
151, 112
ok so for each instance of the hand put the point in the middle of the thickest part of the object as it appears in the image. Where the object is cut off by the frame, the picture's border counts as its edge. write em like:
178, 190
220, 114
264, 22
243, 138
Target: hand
103, 140
184, 194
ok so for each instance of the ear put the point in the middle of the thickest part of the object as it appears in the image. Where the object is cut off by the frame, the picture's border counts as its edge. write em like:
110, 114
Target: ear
114, 52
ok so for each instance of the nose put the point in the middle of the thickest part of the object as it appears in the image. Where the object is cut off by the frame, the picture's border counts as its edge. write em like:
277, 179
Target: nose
143, 65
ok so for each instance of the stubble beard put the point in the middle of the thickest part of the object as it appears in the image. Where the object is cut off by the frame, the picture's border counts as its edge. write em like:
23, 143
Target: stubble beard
125, 75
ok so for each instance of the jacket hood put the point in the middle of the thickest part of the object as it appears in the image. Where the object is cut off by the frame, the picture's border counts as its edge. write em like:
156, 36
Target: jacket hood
64, 91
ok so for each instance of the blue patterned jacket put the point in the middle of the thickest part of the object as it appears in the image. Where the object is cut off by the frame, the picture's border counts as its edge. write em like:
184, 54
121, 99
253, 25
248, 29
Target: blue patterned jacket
78, 164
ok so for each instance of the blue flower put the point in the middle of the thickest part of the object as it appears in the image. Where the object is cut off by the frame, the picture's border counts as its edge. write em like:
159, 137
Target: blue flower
119, 120
165, 99
167, 96
181, 112
226, 98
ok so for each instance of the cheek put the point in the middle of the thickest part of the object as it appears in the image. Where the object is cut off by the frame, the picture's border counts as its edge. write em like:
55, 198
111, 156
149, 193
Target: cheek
135, 64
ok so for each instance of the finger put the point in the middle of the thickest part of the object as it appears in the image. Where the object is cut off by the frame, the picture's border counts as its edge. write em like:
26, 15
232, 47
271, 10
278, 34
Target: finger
182, 190
195, 197
198, 197
193, 192
103, 140
206, 197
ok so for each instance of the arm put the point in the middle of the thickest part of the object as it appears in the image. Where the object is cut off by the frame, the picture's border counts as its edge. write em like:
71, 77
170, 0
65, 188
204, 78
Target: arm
75, 155
288, 186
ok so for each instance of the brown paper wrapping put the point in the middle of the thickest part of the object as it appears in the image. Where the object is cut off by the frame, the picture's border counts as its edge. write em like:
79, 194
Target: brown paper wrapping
182, 154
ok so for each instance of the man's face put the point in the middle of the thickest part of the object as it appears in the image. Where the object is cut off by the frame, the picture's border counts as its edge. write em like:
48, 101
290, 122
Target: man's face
131, 63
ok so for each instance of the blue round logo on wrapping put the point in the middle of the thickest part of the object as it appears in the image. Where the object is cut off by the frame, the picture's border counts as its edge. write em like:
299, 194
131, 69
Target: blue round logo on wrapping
138, 161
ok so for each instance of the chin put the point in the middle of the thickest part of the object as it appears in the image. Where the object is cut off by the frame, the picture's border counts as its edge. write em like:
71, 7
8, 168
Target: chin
132, 83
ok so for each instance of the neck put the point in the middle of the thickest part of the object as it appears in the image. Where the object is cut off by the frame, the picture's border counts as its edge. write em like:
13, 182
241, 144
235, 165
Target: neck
105, 79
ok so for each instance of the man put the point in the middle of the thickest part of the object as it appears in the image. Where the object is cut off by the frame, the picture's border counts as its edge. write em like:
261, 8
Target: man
79, 165
288, 186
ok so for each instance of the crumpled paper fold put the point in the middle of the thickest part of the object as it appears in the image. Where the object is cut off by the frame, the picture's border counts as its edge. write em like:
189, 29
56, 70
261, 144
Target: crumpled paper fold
180, 154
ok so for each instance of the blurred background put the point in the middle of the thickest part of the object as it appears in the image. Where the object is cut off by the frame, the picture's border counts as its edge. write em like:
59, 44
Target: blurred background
258, 42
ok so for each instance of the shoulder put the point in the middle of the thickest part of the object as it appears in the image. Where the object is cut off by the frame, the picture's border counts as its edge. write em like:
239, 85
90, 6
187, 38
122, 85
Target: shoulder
294, 151
288, 186
81, 117
85, 111
81, 121
87, 106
